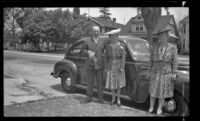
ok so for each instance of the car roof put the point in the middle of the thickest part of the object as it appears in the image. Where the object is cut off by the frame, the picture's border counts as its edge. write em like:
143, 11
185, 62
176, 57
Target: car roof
126, 38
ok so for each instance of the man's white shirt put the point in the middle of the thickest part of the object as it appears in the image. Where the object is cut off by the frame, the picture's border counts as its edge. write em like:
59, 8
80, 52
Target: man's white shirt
91, 53
96, 39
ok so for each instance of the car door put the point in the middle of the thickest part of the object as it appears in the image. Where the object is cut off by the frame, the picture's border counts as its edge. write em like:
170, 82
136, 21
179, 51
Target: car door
79, 59
136, 70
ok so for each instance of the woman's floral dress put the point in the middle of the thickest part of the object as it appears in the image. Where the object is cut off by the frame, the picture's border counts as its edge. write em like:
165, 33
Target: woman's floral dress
163, 63
115, 60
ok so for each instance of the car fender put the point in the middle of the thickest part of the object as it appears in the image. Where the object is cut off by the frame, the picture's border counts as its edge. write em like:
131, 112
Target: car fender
182, 84
65, 65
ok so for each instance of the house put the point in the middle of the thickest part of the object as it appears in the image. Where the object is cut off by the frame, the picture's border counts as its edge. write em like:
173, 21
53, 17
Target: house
135, 26
106, 25
184, 33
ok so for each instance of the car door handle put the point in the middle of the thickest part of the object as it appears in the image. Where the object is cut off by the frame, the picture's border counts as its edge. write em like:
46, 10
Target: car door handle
144, 67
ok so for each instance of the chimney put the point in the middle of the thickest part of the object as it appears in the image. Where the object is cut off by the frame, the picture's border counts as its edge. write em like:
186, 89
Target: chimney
114, 20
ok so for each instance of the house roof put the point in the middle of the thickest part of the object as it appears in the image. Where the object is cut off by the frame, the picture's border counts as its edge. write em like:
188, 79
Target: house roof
184, 19
107, 23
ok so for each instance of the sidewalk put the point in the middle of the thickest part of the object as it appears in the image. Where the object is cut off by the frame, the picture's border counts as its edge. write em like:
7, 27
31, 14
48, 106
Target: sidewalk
60, 55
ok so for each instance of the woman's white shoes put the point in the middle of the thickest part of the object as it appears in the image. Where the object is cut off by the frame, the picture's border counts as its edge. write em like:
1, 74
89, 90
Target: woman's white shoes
159, 112
151, 110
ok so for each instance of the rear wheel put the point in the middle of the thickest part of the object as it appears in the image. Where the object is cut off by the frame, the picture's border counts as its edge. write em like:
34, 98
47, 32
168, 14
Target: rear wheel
68, 81
176, 106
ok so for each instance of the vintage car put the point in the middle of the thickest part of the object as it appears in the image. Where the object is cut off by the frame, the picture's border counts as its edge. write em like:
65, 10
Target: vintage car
72, 71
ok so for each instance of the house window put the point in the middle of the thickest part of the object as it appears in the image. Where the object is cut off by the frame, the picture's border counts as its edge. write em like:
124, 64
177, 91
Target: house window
139, 27
139, 17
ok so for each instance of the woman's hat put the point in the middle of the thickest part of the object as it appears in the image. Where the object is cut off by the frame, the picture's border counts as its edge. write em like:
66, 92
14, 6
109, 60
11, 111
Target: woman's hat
96, 28
116, 31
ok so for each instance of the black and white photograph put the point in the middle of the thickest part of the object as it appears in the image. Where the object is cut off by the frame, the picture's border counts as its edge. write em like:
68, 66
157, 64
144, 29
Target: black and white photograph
96, 62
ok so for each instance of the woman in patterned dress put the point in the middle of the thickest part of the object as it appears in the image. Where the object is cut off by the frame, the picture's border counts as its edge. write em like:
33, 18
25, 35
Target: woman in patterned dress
163, 66
115, 61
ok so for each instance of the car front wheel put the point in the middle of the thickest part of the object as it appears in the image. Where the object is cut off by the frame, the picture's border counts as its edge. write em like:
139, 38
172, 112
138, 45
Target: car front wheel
176, 106
68, 81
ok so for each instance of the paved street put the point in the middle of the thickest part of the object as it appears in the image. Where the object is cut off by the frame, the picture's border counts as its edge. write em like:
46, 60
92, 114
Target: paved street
29, 70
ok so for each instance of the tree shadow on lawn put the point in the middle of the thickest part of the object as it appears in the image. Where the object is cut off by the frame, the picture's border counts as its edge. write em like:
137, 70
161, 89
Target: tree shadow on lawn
58, 87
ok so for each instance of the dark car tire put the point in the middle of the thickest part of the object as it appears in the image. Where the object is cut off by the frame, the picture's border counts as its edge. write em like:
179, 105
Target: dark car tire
181, 106
68, 86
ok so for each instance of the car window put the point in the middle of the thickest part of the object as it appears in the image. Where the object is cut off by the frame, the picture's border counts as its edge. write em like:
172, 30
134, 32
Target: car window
128, 55
139, 50
75, 49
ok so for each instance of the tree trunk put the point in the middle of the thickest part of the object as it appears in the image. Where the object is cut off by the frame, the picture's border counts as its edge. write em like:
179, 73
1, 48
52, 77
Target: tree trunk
150, 37
55, 45
47, 45
13, 28
36, 46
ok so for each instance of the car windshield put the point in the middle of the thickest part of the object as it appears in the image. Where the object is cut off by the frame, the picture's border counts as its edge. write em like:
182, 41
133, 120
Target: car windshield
139, 50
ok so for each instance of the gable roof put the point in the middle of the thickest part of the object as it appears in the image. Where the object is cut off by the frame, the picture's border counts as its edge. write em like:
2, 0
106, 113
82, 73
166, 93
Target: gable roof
133, 19
184, 19
107, 23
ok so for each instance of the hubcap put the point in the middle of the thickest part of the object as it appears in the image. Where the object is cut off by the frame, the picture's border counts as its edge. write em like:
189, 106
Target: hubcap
170, 105
68, 81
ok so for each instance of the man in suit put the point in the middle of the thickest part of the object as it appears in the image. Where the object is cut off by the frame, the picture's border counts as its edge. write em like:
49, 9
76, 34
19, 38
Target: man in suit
94, 48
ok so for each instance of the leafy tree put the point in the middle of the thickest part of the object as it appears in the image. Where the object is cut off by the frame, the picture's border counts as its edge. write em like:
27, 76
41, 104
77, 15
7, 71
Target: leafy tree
33, 27
67, 15
10, 17
167, 10
76, 10
105, 13
6, 12
7, 36
54, 26
80, 28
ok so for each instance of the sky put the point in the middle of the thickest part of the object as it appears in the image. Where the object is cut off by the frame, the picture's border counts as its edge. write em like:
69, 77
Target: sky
124, 14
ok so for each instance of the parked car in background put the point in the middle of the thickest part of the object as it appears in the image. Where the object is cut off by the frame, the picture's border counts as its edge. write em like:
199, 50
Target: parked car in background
72, 71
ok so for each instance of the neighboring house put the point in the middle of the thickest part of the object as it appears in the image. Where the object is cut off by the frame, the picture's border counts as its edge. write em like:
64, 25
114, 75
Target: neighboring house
184, 33
136, 27
106, 25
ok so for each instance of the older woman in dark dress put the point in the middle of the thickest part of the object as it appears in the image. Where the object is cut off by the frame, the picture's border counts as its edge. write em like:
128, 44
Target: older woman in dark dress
163, 66
115, 62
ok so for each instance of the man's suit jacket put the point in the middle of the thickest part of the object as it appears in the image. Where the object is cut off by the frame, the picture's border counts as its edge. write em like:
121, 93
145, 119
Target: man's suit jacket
98, 49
